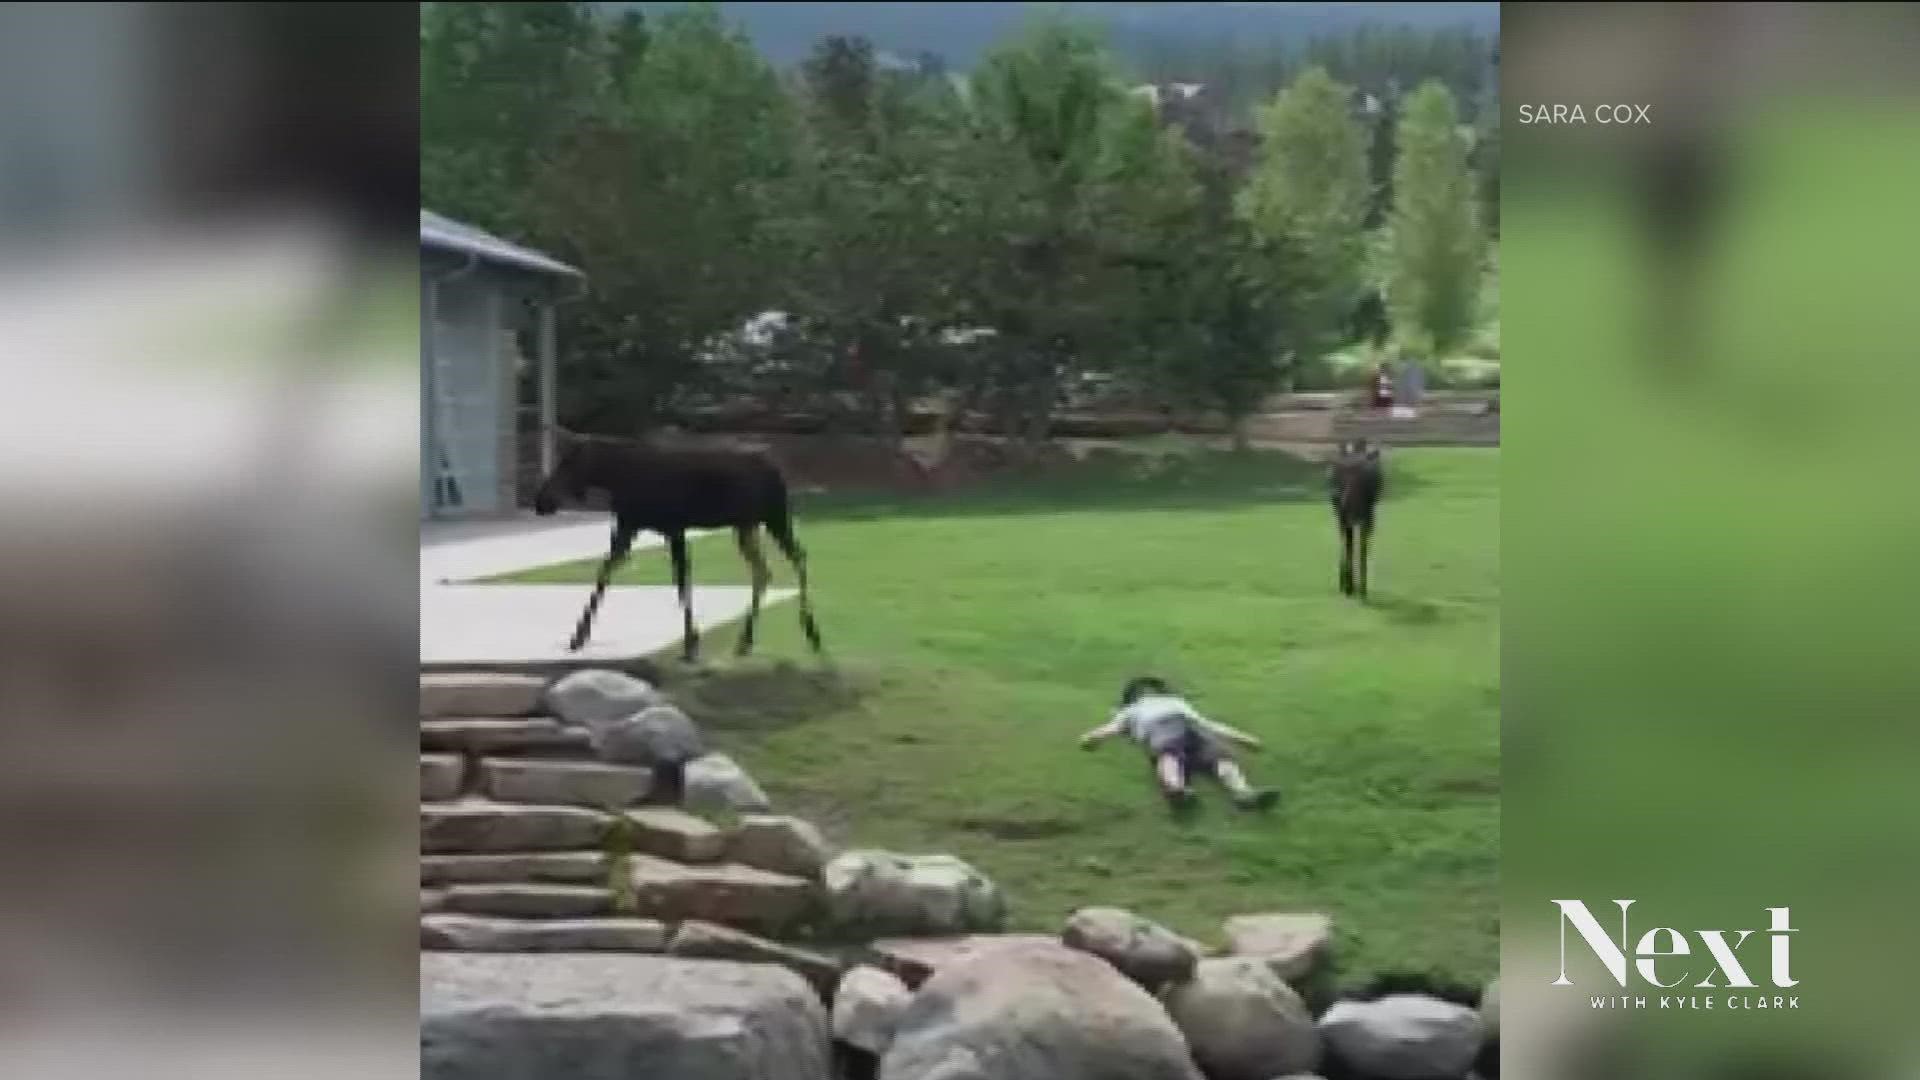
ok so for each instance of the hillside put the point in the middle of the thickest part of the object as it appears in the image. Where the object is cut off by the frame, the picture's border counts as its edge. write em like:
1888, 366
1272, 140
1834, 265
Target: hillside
960, 32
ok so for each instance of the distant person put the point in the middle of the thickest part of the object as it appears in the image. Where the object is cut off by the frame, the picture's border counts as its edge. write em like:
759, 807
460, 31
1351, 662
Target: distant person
1180, 742
1381, 390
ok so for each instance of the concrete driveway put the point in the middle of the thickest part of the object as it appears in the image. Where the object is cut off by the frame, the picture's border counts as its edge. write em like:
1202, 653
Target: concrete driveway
467, 624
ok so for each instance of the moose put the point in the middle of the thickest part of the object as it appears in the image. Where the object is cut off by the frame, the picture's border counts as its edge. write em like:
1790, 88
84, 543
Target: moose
1354, 483
671, 492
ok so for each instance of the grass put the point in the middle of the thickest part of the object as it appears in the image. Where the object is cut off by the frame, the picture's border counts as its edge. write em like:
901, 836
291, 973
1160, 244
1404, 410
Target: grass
974, 637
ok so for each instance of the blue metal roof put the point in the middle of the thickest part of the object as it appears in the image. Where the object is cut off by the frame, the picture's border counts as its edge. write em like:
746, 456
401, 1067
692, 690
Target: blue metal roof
449, 235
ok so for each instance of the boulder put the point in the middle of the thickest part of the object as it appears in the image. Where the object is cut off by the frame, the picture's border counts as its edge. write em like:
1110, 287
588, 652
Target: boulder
914, 960
491, 827
564, 783
867, 1007
1404, 1037
606, 1016
658, 735
543, 867
522, 901
879, 892
1243, 1021
1295, 946
479, 694
710, 941
725, 893
1142, 950
784, 845
441, 776
715, 782
594, 697
676, 835
1034, 1012
476, 933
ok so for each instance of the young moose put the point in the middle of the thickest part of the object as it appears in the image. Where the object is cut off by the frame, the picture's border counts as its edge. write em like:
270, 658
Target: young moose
1354, 484
672, 492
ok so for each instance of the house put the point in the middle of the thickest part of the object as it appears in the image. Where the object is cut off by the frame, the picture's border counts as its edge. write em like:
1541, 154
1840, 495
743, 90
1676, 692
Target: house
483, 302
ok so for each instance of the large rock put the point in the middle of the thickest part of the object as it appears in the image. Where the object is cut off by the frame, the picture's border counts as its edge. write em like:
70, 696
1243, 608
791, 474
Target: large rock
716, 782
564, 783
1142, 950
711, 941
479, 694
521, 901
595, 697
1035, 1012
611, 1017
1295, 946
676, 835
441, 776
543, 867
784, 845
867, 1007
726, 893
659, 735
541, 734
914, 960
1404, 1037
491, 827
476, 933
879, 892
1243, 1021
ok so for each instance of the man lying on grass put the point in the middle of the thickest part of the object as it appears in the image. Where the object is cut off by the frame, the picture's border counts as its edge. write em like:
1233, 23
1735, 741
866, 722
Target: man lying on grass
1180, 742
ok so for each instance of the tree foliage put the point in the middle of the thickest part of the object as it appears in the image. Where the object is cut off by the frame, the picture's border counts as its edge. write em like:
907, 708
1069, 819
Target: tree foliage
1436, 248
985, 237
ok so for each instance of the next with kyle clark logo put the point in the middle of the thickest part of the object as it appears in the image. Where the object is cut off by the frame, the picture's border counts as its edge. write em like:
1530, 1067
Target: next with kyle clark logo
1668, 959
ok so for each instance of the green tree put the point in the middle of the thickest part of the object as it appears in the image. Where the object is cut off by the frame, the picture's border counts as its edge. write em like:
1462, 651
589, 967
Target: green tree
498, 84
1306, 205
1436, 247
1080, 173
664, 197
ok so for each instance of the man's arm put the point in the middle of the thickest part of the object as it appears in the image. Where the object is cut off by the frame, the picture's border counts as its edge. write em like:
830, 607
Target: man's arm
1105, 731
1232, 734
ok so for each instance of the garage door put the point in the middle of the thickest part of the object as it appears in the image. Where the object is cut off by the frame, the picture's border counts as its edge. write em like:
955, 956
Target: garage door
462, 393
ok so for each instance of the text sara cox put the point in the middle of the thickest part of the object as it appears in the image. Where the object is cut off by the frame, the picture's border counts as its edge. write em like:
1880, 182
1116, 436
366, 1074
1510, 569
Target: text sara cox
1561, 113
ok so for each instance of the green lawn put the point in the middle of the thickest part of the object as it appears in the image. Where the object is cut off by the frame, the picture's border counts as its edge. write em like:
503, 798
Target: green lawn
974, 637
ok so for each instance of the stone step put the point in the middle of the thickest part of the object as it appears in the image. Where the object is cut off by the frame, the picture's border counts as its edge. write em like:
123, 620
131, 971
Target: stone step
441, 776
526, 735
521, 901
533, 867
479, 827
726, 893
676, 835
480, 694
479, 933
564, 783
701, 940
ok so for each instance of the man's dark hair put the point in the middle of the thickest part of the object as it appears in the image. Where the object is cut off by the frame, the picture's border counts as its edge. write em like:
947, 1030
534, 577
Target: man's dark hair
1140, 686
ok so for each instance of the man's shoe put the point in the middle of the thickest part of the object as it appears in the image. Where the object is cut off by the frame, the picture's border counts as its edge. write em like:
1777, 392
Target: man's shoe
1264, 799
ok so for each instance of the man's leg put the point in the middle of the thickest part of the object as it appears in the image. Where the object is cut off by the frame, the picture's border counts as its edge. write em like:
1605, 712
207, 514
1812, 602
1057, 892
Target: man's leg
1243, 793
1172, 774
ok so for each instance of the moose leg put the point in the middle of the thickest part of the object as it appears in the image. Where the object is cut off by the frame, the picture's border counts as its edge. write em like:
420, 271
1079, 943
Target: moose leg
749, 539
790, 547
1366, 553
690, 637
1346, 557
617, 549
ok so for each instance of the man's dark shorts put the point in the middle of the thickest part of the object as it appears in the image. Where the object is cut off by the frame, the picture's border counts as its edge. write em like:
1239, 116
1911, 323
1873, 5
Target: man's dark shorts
1197, 750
